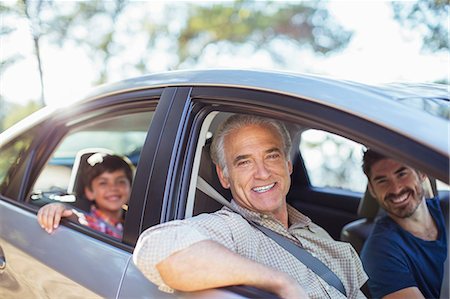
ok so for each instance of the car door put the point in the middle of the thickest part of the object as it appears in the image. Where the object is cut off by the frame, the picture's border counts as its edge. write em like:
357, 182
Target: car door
330, 207
200, 103
74, 260
188, 125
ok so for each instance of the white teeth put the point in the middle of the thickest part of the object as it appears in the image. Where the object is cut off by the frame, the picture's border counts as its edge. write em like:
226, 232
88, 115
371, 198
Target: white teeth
263, 188
401, 198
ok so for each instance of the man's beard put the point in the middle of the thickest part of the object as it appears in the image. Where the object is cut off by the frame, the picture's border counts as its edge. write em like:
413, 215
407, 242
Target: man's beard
408, 210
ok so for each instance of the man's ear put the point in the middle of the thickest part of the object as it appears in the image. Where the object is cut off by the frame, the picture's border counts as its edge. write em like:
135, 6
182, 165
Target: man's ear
89, 193
290, 167
222, 178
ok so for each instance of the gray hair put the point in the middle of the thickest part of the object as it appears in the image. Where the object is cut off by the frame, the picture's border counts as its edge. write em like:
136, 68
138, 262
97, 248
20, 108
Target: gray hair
239, 121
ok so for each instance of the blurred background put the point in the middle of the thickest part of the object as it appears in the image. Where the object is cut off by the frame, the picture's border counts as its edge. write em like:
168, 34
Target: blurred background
54, 52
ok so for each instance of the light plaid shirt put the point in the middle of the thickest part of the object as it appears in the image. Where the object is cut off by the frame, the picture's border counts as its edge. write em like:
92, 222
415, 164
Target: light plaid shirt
234, 232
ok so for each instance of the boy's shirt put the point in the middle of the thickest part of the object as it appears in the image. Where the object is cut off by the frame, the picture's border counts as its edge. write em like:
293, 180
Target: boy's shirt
97, 220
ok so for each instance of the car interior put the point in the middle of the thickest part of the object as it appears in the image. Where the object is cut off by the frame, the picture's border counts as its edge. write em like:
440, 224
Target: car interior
198, 202
61, 182
355, 232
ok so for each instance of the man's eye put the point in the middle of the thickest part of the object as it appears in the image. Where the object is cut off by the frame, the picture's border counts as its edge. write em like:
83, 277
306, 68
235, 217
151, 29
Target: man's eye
243, 163
380, 182
403, 173
273, 156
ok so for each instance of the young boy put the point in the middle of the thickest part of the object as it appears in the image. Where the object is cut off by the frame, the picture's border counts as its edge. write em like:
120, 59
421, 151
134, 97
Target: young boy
107, 180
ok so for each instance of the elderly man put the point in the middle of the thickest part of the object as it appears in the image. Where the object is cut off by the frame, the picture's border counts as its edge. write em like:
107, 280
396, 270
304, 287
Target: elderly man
222, 249
404, 256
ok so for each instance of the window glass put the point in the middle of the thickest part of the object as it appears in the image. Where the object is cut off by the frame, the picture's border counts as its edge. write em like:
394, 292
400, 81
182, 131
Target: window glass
10, 159
441, 186
332, 161
62, 178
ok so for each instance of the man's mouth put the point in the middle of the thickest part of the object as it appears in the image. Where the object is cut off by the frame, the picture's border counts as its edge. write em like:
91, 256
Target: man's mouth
397, 199
263, 189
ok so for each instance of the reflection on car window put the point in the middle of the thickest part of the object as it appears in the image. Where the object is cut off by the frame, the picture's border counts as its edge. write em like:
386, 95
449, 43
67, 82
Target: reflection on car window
332, 161
10, 158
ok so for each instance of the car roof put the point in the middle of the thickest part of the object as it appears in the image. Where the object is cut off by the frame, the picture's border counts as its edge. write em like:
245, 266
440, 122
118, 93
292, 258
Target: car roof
377, 104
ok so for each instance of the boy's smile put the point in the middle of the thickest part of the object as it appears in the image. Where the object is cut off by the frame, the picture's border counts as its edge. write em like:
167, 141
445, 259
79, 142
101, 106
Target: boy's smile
110, 190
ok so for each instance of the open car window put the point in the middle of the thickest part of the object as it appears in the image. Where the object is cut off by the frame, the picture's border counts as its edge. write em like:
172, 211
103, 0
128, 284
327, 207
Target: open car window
332, 161
122, 135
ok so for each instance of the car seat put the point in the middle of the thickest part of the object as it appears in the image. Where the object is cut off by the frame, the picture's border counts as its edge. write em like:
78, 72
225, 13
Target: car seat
357, 232
203, 202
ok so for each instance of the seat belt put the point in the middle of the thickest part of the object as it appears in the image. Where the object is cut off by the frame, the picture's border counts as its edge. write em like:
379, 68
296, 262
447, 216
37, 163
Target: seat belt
313, 263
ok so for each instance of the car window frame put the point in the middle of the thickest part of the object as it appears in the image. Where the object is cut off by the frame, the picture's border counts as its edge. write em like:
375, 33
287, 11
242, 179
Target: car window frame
203, 100
53, 130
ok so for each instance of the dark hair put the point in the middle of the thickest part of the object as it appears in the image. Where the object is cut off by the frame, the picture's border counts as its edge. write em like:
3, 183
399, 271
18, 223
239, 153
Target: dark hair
371, 157
99, 163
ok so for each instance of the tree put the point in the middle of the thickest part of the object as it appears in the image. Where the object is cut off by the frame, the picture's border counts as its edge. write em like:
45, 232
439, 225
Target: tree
32, 11
256, 24
11, 113
75, 26
431, 17
106, 29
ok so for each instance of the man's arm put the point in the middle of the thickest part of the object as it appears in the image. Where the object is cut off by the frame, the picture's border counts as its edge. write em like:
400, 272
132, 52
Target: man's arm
410, 293
207, 264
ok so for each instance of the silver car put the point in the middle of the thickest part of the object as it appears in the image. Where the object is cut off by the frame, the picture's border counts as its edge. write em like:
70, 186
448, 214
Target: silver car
163, 123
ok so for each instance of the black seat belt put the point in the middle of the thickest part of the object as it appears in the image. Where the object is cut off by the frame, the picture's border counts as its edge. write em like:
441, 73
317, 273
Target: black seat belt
313, 263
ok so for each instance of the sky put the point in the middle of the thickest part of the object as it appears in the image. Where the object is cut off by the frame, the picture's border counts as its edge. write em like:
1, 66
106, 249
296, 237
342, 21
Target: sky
380, 51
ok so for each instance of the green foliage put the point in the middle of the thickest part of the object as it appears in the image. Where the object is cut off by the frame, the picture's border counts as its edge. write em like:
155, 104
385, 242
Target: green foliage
258, 24
183, 30
12, 113
91, 25
429, 16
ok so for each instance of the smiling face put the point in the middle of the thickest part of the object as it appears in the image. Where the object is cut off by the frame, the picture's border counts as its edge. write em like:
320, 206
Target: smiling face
258, 170
110, 190
397, 187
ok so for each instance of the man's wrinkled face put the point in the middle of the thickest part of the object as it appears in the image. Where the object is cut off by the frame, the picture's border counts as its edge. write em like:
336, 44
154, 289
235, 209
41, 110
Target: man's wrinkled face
258, 170
397, 187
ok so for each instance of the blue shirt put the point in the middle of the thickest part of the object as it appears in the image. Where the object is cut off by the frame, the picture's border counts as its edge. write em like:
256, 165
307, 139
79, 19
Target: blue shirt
394, 259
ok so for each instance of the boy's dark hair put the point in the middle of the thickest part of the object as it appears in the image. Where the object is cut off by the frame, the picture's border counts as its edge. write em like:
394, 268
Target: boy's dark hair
99, 163
371, 157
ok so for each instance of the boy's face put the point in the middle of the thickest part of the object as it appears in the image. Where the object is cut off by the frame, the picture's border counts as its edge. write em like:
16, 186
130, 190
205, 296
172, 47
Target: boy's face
110, 190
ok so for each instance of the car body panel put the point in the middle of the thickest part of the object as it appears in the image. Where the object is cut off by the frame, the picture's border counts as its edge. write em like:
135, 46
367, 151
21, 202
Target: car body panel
101, 266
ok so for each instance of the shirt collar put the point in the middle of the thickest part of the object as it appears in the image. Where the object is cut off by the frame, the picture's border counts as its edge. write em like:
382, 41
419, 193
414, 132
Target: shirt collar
296, 219
99, 214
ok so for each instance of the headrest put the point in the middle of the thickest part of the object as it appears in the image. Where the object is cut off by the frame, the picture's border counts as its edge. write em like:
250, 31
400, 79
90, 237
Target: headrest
368, 206
208, 171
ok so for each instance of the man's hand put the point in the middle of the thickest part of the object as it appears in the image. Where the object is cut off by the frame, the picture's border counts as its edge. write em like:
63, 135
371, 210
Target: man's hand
50, 215
207, 264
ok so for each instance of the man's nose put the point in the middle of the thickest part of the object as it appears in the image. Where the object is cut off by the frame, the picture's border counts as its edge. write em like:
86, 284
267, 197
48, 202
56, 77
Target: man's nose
262, 171
395, 187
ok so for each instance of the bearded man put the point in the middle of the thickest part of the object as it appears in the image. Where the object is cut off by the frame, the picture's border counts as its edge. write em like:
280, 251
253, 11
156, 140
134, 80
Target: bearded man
404, 255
